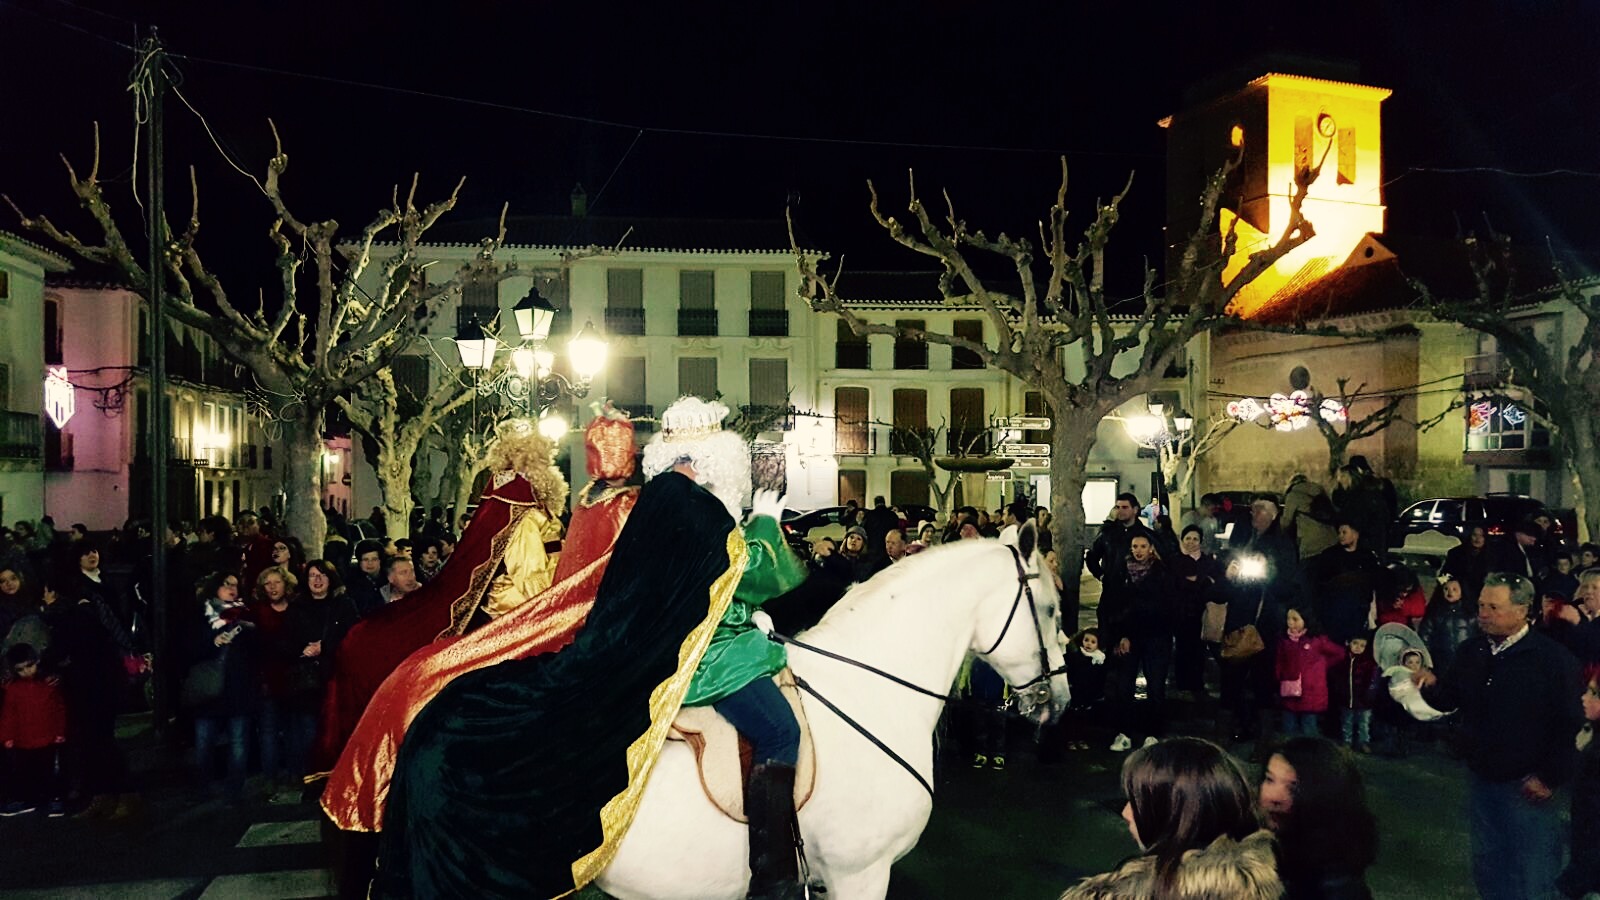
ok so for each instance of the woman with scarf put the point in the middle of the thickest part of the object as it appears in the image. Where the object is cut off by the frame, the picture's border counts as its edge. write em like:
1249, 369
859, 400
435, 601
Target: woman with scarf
1136, 624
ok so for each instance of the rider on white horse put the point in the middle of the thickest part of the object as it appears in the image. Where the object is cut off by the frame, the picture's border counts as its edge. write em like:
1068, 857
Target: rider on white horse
735, 675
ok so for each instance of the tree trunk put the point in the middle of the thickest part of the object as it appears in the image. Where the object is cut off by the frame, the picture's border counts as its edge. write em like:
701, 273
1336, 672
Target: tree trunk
1583, 460
1069, 458
1337, 448
302, 479
464, 488
394, 479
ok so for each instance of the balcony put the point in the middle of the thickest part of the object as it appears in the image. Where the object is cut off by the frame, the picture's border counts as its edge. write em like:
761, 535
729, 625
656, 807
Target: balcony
911, 442
771, 418
769, 323
1487, 370
643, 414
21, 436
694, 322
852, 439
968, 442
624, 320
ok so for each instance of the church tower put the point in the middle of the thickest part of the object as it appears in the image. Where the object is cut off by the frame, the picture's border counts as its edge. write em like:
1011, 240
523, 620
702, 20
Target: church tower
1283, 124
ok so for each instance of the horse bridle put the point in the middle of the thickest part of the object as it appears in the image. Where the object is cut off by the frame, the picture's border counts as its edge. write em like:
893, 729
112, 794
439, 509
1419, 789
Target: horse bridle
1026, 696
1030, 694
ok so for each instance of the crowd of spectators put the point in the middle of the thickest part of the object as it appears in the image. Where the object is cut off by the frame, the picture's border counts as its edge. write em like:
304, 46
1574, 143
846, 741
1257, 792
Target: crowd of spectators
253, 626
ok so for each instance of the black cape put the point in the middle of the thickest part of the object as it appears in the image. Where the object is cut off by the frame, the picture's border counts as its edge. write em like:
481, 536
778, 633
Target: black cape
503, 780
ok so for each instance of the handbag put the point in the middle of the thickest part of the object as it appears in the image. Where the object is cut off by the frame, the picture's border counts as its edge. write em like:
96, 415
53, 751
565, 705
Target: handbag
1291, 688
304, 676
1242, 643
1214, 622
204, 681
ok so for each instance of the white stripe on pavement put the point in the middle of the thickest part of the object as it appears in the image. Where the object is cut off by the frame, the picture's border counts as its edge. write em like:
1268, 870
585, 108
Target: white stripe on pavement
290, 885
277, 834
155, 889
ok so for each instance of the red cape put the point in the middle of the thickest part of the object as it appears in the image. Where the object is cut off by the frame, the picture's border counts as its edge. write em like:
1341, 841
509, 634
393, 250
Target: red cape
358, 785
441, 608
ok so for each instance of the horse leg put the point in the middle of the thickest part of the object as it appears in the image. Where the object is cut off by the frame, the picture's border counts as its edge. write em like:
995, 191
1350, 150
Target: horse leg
871, 883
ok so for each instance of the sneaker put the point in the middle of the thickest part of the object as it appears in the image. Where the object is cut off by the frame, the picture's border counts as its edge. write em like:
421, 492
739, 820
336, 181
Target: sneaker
1121, 743
1149, 741
56, 809
979, 761
17, 808
998, 763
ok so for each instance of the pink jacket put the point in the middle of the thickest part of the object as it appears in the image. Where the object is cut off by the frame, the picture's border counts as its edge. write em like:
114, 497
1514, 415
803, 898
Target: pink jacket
1308, 659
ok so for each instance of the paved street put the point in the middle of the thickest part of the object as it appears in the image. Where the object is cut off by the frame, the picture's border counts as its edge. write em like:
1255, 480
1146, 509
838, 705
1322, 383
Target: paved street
1027, 832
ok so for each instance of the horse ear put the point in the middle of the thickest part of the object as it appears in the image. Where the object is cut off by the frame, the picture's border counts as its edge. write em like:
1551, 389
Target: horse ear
1027, 539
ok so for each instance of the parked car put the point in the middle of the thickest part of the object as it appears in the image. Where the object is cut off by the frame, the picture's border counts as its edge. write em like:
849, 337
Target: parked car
1449, 517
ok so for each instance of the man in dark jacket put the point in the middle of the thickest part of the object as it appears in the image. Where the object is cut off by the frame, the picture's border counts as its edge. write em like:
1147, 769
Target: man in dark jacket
1110, 551
878, 521
1345, 578
1517, 692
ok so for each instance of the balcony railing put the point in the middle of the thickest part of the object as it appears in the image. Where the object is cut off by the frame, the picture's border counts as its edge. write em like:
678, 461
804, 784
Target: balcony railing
624, 320
771, 418
970, 442
696, 322
21, 436
1485, 371
643, 415
910, 441
851, 439
769, 323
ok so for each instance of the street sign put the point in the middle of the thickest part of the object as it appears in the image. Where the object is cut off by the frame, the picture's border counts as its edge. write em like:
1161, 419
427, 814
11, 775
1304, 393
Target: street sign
1031, 464
1017, 451
998, 476
1029, 423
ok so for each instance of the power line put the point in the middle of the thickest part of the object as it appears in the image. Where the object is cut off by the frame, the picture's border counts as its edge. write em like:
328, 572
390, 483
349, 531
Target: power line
70, 27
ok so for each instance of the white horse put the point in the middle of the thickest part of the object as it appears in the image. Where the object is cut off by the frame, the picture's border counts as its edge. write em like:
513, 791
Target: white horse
917, 620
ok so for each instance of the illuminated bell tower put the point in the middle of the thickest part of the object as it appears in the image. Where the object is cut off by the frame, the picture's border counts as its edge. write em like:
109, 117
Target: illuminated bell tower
1283, 124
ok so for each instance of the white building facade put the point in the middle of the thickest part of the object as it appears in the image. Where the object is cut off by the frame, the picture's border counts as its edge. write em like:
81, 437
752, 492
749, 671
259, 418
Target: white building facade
23, 268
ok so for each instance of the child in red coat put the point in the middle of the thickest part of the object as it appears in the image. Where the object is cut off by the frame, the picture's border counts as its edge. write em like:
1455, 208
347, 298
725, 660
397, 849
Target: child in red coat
33, 728
1353, 687
1304, 655
1407, 603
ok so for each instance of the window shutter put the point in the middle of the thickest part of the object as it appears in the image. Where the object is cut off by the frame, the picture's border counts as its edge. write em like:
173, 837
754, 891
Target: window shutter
766, 290
697, 377
769, 382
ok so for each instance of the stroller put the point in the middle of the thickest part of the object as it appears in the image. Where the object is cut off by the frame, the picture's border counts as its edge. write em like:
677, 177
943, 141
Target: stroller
1390, 644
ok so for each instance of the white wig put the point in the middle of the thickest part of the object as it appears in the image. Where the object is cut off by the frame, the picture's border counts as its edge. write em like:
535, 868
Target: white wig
691, 432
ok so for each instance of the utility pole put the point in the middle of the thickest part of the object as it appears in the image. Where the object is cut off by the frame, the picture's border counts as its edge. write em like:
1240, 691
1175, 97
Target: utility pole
150, 73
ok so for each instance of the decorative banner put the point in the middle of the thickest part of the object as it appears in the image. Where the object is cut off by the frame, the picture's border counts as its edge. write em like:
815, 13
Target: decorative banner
1514, 415
1480, 415
59, 402
1286, 412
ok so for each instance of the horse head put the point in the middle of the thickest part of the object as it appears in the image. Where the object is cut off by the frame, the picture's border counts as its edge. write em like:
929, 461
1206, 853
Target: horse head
1016, 633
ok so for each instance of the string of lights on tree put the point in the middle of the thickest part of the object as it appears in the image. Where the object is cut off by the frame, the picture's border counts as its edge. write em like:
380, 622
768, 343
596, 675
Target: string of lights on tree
1287, 412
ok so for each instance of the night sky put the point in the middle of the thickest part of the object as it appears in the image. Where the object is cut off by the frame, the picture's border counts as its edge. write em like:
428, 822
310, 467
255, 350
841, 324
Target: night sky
979, 98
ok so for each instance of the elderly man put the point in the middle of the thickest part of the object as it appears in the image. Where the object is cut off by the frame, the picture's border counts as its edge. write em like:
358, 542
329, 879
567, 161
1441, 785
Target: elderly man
401, 579
1584, 616
1517, 692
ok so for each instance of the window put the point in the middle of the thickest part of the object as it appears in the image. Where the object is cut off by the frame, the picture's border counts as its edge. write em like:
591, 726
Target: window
960, 357
625, 301
1347, 156
697, 377
769, 382
5, 386
851, 350
769, 316
625, 380
908, 487
1519, 482
852, 486
908, 352
850, 426
697, 311
52, 332
968, 422
910, 422
480, 300
411, 383
1495, 423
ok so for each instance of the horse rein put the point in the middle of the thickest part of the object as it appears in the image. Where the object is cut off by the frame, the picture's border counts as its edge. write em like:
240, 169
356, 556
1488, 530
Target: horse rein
1026, 692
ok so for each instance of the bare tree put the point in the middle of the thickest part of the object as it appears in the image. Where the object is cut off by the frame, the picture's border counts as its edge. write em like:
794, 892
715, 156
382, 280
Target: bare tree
1180, 459
309, 350
1563, 376
1342, 430
374, 410
1067, 306
923, 445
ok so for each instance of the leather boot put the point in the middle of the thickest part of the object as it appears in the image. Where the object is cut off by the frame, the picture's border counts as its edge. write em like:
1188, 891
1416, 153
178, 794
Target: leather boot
769, 805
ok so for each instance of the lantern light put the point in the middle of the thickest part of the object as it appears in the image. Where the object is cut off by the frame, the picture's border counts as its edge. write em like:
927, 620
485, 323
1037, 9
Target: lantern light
476, 346
588, 353
534, 315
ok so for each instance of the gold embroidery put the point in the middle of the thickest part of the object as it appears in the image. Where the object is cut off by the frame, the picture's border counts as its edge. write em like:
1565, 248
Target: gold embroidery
528, 567
617, 814
462, 608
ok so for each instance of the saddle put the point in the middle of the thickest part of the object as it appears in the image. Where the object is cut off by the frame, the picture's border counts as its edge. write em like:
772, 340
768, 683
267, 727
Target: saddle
722, 755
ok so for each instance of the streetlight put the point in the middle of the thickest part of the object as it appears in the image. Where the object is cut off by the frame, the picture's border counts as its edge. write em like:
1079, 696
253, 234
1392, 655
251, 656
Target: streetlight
1165, 434
531, 380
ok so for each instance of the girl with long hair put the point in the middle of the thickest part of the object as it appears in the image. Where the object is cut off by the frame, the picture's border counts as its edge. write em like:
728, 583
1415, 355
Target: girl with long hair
1312, 797
1191, 812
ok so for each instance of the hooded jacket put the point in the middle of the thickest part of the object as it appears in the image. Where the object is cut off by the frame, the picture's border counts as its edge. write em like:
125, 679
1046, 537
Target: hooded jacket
1226, 870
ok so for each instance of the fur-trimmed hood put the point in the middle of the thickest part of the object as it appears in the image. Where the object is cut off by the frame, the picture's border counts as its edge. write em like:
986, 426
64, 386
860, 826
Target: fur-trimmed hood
1226, 870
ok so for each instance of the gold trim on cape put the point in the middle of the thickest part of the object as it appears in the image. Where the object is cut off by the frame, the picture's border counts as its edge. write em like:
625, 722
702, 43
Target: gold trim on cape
617, 815
462, 608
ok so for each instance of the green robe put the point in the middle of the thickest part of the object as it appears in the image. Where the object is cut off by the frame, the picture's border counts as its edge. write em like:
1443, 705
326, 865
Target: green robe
739, 652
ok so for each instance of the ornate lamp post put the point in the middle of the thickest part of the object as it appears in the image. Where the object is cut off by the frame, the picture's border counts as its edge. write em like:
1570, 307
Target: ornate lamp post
530, 380
1165, 433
